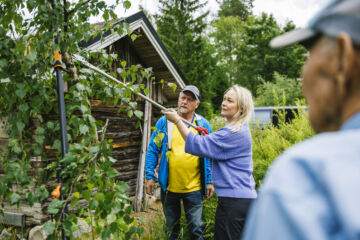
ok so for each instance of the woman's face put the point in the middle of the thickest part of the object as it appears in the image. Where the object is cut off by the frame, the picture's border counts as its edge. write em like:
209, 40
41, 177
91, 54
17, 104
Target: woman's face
229, 105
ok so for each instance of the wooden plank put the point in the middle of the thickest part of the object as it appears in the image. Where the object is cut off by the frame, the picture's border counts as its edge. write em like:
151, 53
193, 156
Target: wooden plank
140, 177
33, 215
13, 219
125, 144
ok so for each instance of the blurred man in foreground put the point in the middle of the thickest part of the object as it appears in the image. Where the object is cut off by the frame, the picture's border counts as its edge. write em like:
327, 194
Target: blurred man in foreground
312, 190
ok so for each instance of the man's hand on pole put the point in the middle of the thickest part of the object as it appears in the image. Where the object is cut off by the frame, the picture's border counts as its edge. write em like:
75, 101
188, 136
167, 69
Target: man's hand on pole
209, 190
171, 115
150, 185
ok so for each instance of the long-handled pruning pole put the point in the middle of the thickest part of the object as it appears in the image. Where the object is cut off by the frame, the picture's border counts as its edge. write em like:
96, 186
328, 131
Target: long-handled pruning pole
63, 129
80, 59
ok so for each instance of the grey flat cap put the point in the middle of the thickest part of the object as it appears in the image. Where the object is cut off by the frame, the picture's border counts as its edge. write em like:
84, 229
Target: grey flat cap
194, 90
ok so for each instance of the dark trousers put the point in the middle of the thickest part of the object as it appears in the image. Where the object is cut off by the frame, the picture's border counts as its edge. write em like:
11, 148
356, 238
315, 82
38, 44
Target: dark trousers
193, 204
230, 217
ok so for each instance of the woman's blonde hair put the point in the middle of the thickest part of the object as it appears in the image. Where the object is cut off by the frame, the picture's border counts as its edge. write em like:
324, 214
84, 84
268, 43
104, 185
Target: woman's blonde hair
245, 107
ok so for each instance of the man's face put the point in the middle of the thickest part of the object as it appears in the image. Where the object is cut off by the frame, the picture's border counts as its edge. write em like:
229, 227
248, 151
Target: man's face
187, 103
320, 87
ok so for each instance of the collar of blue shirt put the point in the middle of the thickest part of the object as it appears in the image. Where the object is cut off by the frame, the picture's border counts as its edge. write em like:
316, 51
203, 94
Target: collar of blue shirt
352, 123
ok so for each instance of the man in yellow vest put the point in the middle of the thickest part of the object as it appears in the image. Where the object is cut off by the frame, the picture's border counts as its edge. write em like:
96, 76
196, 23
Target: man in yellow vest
181, 176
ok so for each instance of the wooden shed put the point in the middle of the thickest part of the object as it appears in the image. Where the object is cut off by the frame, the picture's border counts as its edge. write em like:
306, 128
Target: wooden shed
129, 143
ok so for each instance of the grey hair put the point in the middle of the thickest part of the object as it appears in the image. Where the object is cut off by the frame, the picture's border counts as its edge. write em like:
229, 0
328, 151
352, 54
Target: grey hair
245, 107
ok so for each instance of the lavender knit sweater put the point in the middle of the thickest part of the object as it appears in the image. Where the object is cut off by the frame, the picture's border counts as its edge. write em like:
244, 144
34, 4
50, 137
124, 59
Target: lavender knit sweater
231, 162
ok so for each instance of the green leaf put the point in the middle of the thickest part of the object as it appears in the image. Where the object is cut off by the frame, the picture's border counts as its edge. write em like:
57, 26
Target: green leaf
3, 63
113, 15
122, 186
130, 113
49, 227
42, 193
127, 4
20, 126
83, 129
158, 139
111, 172
146, 91
21, 93
133, 104
40, 130
173, 86
55, 206
15, 198
105, 233
30, 198
57, 145
23, 107
93, 204
94, 149
123, 64
99, 196
134, 37
139, 114
90, 186
80, 86
40, 139
83, 109
31, 57
77, 195
86, 194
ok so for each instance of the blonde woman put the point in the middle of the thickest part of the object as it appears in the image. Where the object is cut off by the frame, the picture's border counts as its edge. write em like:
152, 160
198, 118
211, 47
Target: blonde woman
231, 154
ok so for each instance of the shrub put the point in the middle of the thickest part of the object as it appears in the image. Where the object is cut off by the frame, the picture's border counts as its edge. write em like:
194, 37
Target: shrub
289, 90
270, 142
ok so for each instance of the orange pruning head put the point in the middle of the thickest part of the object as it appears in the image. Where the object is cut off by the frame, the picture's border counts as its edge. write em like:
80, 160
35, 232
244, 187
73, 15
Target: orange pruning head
56, 192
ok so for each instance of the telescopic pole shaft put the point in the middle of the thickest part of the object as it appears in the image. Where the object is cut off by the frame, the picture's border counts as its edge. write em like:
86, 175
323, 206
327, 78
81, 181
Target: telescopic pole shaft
63, 129
89, 65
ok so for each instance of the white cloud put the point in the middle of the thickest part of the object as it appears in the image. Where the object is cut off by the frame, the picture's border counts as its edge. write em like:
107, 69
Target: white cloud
298, 11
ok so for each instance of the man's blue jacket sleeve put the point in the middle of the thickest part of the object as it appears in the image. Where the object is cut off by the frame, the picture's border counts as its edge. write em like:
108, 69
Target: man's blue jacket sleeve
153, 152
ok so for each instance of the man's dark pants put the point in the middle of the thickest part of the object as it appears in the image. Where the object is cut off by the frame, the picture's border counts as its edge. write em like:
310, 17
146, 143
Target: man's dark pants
230, 217
193, 204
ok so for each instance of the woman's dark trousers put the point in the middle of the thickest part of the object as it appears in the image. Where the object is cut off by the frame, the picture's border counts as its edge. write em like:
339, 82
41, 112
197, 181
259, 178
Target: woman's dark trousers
230, 217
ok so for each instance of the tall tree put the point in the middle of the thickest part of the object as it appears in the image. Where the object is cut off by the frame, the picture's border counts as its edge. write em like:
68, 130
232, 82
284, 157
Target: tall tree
239, 8
257, 61
227, 34
181, 29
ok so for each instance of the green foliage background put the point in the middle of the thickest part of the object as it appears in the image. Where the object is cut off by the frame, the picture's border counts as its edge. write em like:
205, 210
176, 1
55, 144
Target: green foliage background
283, 90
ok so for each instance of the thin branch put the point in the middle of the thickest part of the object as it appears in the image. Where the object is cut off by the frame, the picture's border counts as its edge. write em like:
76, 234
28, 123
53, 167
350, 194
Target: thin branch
66, 17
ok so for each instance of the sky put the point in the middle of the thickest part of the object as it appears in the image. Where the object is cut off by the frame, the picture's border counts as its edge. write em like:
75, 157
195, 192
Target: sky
298, 11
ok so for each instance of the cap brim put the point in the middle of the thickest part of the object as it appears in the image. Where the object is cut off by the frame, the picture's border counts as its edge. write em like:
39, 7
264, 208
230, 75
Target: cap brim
295, 36
197, 98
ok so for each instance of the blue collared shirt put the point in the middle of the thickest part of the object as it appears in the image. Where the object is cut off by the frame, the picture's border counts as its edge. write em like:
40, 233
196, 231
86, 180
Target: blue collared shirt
312, 191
